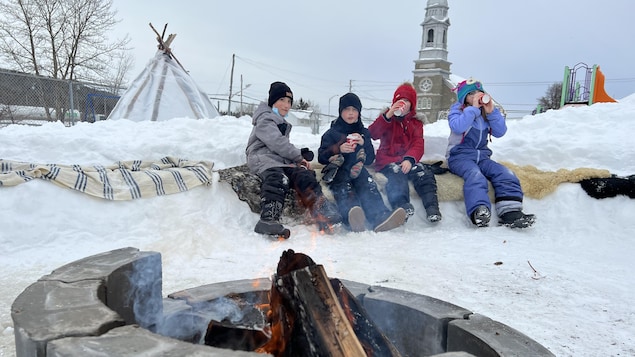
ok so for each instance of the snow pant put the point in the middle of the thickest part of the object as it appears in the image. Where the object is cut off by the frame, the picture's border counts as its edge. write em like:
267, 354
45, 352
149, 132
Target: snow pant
361, 191
507, 191
423, 180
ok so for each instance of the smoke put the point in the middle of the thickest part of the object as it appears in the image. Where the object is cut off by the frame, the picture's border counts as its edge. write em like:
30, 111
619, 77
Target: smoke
189, 322
144, 292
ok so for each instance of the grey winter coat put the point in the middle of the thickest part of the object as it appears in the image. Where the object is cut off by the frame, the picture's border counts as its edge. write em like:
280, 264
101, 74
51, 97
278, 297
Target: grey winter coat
268, 144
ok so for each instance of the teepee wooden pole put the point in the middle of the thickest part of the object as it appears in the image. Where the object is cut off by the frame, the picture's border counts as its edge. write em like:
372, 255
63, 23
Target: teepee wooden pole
165, 46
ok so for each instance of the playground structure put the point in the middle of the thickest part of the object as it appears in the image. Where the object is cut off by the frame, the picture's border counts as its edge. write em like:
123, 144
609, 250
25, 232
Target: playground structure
590, 91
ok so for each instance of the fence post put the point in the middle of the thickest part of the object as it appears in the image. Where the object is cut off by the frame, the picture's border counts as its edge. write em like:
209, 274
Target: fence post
72, 106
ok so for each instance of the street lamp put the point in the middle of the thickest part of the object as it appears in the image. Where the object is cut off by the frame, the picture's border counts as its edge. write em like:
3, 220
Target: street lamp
241, 93
232, 95
330, 103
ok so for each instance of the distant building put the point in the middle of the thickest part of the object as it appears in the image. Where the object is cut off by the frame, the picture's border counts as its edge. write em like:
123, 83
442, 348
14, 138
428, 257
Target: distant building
308, 118
432, 69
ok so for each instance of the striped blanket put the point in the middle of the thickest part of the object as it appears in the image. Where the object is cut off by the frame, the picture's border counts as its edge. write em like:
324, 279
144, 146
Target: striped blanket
124, 180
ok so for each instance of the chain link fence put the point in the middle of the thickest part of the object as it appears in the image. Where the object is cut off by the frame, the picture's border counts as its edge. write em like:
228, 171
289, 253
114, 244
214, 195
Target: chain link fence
34, 100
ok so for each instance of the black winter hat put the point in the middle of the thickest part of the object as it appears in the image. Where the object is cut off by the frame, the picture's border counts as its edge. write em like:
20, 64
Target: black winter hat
350, 100
279, 90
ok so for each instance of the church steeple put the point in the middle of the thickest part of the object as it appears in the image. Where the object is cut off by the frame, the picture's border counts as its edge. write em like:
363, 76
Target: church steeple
432, 69
434, 42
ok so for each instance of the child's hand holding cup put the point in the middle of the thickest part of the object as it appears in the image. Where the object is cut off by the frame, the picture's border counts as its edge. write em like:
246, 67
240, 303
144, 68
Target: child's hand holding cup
351, 139
400, 107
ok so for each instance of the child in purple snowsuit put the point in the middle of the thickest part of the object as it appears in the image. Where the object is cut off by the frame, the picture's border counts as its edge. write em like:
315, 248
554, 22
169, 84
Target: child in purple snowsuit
472, 119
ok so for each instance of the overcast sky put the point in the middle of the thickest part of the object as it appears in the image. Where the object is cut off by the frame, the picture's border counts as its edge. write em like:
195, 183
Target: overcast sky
323, 48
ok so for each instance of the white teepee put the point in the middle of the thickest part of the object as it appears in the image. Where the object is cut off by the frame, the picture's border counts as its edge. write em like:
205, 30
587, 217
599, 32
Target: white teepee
163, 90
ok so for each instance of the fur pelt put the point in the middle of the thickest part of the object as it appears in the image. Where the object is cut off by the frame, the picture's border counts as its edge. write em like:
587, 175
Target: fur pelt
609, 186
535, 183
538, 184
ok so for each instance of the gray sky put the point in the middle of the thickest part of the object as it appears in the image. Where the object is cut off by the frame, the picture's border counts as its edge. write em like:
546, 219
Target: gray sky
320, 48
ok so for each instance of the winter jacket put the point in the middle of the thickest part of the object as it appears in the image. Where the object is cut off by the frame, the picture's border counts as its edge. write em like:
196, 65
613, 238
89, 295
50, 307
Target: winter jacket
470, 131
469, 157
401, 139
268, 145
336, 136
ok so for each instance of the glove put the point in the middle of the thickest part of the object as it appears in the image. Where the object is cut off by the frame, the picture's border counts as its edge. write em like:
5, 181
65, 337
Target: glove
436, 168
307, 154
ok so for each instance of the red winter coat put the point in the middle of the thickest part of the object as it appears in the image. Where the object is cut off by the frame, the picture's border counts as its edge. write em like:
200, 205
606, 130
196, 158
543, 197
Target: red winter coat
399, 138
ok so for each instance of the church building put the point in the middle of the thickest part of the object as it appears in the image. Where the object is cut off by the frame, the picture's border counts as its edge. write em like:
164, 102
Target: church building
432, 69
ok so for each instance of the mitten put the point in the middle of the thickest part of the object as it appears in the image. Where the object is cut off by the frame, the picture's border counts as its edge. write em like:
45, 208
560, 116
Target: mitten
337, 159
437, 169
359, 164
307, 154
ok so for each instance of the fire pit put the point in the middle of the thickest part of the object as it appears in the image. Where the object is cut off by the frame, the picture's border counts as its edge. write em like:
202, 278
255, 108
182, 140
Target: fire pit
111, 304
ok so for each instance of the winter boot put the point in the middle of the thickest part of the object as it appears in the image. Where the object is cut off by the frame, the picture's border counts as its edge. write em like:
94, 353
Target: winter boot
392, 220
359, 164
268, 224
409, 208
357, 219
425, 184
330, 170
517, 219
481, 216
433, 215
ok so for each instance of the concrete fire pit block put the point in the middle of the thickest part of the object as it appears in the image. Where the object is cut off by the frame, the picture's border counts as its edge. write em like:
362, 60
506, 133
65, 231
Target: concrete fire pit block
132, 341
485, 337
132, 280
48, 310
257, 289
416, 324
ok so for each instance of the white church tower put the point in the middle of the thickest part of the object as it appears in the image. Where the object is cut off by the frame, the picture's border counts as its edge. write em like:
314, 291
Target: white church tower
432, 69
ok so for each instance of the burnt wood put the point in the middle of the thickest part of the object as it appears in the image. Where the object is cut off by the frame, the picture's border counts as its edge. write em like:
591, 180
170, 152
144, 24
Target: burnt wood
374, 342
226, 334
307, 317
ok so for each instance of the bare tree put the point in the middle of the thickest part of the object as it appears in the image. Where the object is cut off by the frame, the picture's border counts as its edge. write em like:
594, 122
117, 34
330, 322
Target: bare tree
551, 99
124, 62
63, 39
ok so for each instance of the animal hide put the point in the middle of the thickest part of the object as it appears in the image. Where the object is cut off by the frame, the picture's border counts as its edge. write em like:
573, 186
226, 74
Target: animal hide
535, 183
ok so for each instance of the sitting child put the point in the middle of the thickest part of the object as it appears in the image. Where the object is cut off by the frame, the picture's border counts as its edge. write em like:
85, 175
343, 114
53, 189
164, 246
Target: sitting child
345, 149
401, 148
472, 119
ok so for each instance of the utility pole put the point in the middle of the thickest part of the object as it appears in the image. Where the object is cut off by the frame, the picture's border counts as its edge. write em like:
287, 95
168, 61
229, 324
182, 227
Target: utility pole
350, 85
241, 96
231, 83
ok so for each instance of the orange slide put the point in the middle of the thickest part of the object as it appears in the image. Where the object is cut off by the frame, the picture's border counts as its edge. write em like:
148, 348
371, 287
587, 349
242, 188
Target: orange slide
599, 94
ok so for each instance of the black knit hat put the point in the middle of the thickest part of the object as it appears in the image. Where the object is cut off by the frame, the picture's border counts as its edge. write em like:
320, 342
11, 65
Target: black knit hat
350, 100
279, 90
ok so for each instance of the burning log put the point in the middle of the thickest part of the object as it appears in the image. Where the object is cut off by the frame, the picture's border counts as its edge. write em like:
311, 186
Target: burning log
226, 334
309, 318
308, 314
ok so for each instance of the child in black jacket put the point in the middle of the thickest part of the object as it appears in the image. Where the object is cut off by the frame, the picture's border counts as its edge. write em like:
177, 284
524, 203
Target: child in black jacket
345, 148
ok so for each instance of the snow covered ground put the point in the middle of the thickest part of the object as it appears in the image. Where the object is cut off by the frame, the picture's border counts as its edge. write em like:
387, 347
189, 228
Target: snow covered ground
579, 303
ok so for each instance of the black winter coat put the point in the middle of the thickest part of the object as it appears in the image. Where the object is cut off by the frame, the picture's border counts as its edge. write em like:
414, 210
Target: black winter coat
336, 136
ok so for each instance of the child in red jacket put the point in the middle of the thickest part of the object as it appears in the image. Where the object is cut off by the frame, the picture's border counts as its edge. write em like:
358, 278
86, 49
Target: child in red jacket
401, 147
